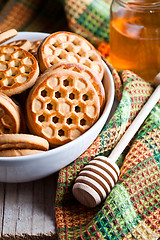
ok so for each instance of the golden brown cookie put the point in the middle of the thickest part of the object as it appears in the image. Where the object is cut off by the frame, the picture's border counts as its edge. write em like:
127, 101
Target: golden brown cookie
23, 141
69, 47
18, 152
24, 43
18, 70
10, 115
34, 47
61, 106
85, 72
4, 36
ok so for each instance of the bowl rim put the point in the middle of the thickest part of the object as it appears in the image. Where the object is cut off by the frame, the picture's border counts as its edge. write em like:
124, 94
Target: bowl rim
108, 106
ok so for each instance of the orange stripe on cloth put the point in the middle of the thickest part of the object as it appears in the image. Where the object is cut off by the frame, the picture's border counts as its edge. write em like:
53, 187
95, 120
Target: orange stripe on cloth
16, 18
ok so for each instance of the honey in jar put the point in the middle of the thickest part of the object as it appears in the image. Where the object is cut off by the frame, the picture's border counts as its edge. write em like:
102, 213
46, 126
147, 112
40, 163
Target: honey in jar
135, 37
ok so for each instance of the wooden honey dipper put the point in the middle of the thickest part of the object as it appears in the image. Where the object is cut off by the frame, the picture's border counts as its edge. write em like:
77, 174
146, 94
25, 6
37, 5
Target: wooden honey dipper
97, 179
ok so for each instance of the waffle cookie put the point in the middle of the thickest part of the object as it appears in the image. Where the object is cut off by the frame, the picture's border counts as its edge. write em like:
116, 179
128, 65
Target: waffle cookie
10, 115
61, 106
23, 141
85, 72
18, 70
24, 43
69, 47
4, 36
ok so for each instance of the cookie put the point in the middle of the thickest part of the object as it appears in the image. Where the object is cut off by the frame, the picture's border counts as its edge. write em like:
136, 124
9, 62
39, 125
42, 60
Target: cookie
4, 36
85, 72
69, 47
24, 44
23, 141
18, 70
18, 152
61, 106
34, 47
10, 115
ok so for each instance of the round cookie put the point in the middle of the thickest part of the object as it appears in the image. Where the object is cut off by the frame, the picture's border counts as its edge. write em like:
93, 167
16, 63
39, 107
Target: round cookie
85, 72
18, 152
4, 36
10, 115
19, 103
69, 47
21, 141
18, 70
62, 106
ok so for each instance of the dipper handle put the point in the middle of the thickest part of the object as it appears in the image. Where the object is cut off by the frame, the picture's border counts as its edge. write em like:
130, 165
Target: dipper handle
98, 178
137, 122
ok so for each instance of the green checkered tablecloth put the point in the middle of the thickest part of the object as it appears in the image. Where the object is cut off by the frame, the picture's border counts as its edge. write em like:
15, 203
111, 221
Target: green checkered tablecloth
89, 18
132, 210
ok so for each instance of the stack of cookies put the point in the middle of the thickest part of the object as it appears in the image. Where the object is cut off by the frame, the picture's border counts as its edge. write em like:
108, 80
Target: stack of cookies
59, 82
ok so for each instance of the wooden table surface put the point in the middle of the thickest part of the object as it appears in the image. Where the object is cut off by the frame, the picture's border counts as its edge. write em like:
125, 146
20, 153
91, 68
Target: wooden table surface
27, 209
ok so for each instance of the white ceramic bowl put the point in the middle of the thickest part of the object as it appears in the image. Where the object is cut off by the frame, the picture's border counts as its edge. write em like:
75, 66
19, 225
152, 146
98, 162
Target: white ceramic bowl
33, 167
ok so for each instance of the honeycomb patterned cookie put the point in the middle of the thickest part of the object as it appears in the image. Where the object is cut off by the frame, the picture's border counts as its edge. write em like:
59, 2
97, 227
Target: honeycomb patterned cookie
69, 47
85, 72
10, 115
18, 70
62, 106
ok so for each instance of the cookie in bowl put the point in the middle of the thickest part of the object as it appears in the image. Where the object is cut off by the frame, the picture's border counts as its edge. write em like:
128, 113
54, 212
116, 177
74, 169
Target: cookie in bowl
18, 70
16, 162
86, 73
10, 115
61, 106
69, 47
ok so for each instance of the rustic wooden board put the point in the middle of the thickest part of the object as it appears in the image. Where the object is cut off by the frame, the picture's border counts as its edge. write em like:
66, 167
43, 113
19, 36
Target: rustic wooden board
27, 209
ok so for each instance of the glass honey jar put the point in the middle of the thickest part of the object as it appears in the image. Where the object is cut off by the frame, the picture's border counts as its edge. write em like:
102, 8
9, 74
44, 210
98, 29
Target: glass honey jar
135, 37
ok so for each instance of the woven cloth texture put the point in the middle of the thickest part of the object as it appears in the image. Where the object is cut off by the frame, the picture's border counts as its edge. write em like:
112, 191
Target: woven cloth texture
132, 209
33, 15
89, 18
